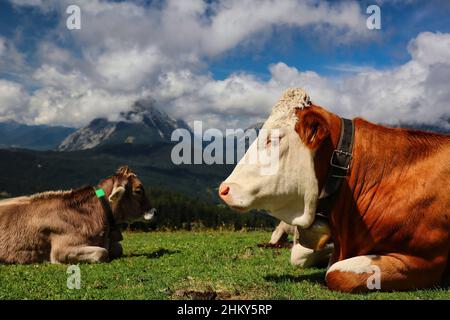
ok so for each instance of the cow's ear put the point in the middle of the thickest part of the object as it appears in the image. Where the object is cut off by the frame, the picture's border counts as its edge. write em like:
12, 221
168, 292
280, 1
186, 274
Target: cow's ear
117, 193
312, 128
123, 170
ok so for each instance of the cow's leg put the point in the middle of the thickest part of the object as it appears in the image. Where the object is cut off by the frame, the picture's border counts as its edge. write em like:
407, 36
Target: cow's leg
75, 254
307, 258
116, 236
394, 272
279, 234
115, 250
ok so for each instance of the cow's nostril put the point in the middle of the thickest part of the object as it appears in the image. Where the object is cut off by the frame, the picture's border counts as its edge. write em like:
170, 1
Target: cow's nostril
223, 190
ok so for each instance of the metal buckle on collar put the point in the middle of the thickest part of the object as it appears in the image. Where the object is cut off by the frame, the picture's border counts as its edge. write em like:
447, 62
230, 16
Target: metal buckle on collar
321, 215
333, 164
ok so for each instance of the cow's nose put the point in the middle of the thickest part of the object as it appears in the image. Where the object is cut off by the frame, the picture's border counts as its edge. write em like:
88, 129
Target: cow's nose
224, 190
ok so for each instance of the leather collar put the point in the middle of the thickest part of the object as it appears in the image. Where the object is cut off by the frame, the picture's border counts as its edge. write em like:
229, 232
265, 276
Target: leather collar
340, 162
101, 195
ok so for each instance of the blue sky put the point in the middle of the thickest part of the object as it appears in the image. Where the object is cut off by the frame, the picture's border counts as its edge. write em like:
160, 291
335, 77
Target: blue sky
402, 21
263, 49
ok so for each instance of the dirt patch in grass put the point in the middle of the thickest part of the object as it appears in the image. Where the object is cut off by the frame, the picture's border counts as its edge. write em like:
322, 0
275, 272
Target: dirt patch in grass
202, 295
282, 245
188, 294
198, 290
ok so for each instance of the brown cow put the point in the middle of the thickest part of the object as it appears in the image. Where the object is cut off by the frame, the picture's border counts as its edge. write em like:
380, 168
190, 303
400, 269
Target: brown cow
71, 226
390, 218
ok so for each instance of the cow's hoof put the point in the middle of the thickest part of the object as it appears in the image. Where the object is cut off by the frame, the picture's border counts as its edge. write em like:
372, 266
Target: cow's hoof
115, 250
308, 258
301, 256
100, 256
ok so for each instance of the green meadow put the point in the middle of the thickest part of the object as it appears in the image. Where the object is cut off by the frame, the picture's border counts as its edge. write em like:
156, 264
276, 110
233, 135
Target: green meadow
187, 265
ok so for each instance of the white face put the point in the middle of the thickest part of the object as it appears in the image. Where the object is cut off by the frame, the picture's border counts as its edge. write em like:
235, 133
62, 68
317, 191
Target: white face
289, 193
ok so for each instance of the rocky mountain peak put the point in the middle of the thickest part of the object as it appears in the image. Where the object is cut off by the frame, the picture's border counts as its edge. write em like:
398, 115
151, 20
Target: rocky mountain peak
144, 123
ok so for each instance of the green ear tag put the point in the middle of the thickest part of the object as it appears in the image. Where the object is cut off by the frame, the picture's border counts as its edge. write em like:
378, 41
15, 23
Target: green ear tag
100, 193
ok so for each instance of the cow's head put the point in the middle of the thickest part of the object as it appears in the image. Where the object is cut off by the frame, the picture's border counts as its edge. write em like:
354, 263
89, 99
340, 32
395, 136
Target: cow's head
291, 192
127, 197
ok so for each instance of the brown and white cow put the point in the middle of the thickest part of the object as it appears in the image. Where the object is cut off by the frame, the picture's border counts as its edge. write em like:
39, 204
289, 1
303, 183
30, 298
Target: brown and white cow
391, 213
71, 226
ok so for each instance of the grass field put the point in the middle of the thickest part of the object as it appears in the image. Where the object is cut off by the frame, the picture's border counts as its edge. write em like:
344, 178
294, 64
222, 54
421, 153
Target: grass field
186, 265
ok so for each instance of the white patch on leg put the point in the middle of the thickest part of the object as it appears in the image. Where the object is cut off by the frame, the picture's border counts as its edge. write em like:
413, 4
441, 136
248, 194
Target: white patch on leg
98, 256
301, 256
92, 254
358, 265
277, 234
307, 258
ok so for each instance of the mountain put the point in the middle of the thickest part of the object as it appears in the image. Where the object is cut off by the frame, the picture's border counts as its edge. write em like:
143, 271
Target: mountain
27, 171
257, 126
139, 138
144, 124
35, 137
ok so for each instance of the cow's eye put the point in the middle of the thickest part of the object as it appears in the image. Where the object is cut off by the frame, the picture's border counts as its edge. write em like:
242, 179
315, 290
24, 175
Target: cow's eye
139, 191
270, 141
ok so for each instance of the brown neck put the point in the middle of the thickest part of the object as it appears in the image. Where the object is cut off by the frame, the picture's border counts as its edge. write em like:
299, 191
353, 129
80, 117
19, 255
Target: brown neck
108, 185
325, 150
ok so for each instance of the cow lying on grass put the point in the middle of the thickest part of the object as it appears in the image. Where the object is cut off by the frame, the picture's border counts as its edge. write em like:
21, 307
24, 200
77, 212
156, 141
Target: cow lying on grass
390, 212
72, 226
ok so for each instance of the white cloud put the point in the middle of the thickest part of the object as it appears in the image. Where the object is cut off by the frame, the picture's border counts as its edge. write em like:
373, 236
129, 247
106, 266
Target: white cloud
129, 69
50, 53
70, 98
430, 48
51, 76
12, 61
51, 105
13, 101
416, 91
125, 51
237, 21
201, 28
